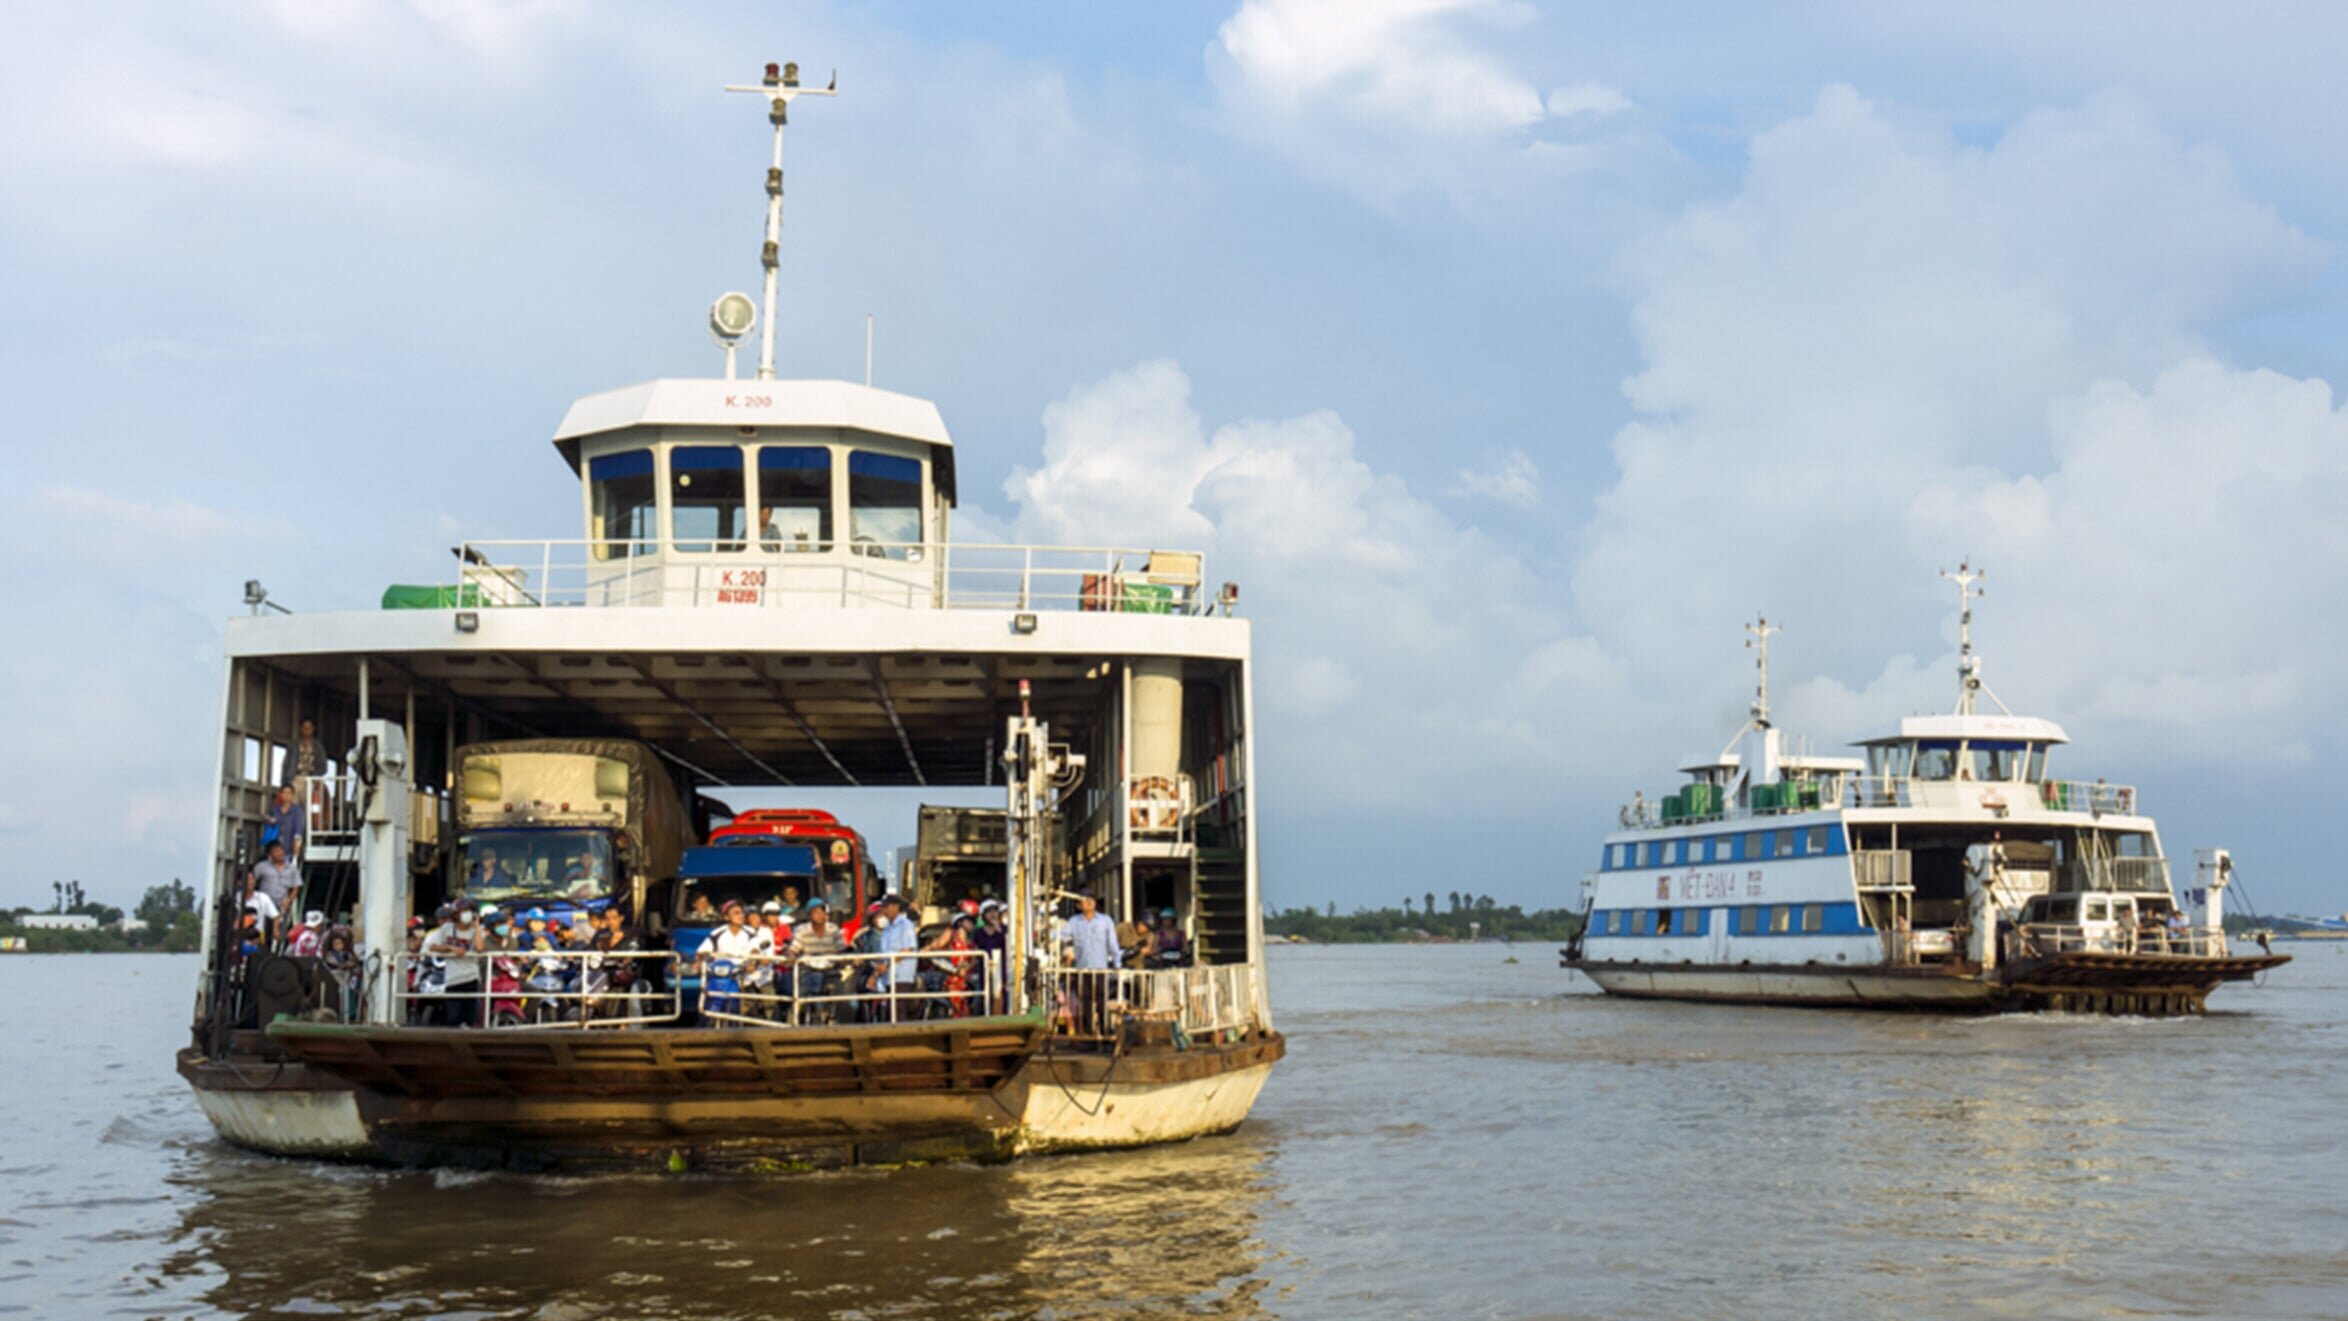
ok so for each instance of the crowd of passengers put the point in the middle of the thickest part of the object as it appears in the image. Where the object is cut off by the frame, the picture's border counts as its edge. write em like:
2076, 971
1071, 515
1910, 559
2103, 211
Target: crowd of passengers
486, 966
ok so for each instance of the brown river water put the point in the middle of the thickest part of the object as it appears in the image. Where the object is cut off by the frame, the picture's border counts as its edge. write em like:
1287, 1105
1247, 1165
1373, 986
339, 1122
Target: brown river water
1452, 1135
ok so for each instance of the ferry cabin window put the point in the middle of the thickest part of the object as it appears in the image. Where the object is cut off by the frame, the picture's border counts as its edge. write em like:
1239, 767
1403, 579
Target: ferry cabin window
1781, 918
795, 497
708, 508
1639, 922
1760, 844
1785, 843
2132, 844
1819, 842
1662, 921
1995, 760
884, 505
1748, 919
620, 504
1813, 917
1936, 760
1654, 853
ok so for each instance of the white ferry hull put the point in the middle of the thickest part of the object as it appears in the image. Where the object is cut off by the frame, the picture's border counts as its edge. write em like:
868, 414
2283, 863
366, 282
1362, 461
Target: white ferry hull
319, 1125
1843, 986
1070, 1115
1043, 1101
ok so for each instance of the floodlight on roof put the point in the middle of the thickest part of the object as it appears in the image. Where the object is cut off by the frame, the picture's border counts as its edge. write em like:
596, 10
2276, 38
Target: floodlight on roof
730, 318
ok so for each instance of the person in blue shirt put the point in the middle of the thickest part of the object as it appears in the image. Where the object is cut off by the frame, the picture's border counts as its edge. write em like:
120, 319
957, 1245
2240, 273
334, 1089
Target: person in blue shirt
285, 824
1092, 943
898, 935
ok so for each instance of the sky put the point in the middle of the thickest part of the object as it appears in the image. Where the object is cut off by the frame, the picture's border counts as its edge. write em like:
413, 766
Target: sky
1511, 357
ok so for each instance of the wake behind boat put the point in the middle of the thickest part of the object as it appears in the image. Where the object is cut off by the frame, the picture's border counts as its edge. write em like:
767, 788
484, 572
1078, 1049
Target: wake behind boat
766, 597
1944, 871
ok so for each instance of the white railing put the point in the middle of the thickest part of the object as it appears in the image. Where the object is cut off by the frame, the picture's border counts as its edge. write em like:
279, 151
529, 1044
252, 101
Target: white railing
330, 807
911, 575
2000, 796
2042, 939
537, 988
1094, 1003
2081, 796
2129, 875
1882, 869
832, 989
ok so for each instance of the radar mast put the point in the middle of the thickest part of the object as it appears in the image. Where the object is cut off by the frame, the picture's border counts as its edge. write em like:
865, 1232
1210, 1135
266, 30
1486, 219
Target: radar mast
780, 87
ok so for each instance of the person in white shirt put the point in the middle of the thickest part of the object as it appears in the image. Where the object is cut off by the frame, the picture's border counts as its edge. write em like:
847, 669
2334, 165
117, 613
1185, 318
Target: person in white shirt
738, 942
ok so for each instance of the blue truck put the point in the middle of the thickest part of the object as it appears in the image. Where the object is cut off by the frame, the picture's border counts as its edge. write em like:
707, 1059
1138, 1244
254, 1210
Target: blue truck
751, 874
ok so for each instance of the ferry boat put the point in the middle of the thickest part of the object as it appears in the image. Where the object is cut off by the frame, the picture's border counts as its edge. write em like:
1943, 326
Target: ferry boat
1945, 869
766, 596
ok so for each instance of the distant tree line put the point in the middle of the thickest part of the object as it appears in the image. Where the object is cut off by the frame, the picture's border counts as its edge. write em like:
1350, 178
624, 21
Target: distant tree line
1462, 916
168, 910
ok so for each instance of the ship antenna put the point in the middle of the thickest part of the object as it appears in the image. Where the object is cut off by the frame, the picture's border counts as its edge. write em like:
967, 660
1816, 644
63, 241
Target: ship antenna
1760, 629
1969, 681
780, 87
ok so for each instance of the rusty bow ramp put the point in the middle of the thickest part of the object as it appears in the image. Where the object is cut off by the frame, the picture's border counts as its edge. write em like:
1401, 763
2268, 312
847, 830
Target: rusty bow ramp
2153, 985
735, 1098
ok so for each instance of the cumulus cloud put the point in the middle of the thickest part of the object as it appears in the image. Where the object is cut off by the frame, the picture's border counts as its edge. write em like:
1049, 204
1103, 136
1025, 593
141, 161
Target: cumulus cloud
1592, 100
1386, 624
1888, 351
1512, 479
1387, 97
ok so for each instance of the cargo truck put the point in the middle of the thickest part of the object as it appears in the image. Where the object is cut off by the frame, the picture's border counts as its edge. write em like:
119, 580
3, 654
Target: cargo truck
564, 825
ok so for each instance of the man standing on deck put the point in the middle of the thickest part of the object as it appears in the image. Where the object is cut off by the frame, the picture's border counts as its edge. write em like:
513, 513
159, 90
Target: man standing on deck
992, 938
898, 935
816, 938
276, 877
1092, 938
286, 823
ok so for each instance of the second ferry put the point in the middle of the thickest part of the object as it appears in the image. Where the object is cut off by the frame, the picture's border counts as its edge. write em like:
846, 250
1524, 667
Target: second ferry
1946, 869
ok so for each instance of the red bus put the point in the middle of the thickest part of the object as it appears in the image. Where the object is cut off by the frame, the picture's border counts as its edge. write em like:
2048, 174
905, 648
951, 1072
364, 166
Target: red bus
848, 877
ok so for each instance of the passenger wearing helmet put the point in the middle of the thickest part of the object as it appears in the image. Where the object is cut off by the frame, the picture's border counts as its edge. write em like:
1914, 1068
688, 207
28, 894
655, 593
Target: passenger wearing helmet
1173, 941
991, 938
1137, 942
452, 943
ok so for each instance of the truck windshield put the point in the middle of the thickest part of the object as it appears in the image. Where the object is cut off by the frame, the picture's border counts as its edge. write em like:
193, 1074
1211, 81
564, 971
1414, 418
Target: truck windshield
558, 864
702, 899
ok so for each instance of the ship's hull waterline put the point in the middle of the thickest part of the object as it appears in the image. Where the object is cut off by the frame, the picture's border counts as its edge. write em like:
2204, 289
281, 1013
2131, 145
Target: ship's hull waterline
703, 1115
2092, 983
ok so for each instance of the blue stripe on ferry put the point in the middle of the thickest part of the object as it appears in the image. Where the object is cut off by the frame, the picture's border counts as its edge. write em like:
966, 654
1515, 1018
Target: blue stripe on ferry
1762, 845
1837, 919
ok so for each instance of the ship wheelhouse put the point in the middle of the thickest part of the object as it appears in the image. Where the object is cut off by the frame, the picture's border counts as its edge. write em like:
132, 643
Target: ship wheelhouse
768, 492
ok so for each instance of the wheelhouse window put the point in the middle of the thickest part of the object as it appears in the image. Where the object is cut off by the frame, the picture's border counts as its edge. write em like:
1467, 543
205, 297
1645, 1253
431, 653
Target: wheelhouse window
708, 507
884, 505
621, 504
795, 495
2037, 763
1936, 760
1994, 760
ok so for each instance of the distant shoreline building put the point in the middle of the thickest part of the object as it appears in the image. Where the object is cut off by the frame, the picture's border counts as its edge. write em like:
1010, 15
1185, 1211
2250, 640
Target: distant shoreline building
58, 921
